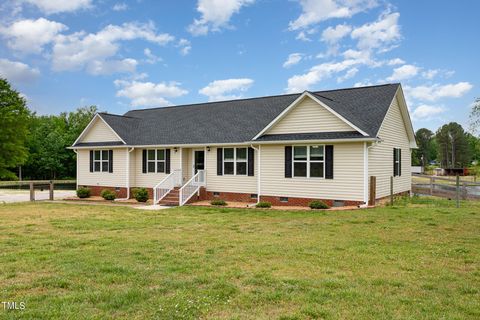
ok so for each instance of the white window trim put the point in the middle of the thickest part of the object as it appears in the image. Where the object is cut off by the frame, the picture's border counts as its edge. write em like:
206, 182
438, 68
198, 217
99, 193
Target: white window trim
234, 161
156, 161
308, 161
101, 161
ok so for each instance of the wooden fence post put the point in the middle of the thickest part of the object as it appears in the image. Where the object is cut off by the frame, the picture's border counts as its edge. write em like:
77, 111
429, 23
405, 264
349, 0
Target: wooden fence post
458, 191
464, 191
431, 186
373, 191
32, 192
51, 190
391, 190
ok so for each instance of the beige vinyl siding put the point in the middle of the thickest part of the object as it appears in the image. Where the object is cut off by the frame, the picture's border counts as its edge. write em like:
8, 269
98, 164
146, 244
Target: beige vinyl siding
99, 132
394, 135
309, 116
228, 183
106, 179
347, 183
149, 180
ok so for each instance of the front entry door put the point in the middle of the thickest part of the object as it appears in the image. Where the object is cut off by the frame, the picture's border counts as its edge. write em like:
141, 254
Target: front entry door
198, 160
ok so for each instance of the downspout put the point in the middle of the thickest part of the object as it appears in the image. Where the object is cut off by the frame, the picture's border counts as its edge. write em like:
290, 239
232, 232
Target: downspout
76, 178
128, 175
365, 173
259, 150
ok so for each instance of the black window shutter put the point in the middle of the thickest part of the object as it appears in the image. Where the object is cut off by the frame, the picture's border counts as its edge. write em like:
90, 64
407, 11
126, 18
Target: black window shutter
144, 161
251, 161
91, 160
167, 160
110, 161
329, 162
395, 168
219, 161
288, 161
399, 162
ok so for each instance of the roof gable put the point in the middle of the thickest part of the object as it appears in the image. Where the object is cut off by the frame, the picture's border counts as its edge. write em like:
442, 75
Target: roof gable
98, 130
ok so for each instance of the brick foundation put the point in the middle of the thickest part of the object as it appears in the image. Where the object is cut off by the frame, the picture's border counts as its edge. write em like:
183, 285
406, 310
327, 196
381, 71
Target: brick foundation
96, 190
274, 200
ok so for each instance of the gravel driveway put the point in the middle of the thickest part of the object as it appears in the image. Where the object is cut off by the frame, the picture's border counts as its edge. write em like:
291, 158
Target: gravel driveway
11, 195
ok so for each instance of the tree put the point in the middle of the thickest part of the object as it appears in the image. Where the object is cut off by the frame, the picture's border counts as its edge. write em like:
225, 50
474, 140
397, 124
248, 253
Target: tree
14, 121
427, 147
453, 148
475, 117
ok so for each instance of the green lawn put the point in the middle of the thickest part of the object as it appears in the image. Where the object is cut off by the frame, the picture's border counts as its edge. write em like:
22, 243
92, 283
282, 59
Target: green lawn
413, 261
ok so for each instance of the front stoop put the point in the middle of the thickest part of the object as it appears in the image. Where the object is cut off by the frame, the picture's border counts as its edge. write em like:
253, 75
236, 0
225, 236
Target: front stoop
171, 199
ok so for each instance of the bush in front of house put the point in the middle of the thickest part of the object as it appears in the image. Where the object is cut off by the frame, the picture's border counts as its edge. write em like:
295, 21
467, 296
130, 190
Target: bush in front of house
263, 204
83, 192
108, 194
140, 194
317, 204
218, 202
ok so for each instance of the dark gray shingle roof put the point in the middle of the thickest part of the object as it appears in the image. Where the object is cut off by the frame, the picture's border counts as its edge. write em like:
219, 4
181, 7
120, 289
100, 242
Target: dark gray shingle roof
241, 120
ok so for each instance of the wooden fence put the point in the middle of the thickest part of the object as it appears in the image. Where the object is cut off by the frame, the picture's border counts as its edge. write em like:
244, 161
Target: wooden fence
445, 187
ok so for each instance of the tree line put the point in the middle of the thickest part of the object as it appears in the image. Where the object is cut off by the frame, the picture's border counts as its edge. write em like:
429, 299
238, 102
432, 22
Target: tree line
34, 146
450, 147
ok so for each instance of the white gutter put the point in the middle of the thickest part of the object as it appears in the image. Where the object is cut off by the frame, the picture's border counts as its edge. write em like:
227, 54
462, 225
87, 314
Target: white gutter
76, 179
365, 173
230, 144
259, 152
128, 175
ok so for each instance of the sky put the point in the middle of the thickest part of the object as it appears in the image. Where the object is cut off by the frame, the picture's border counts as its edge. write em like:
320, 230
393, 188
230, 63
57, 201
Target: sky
123, 55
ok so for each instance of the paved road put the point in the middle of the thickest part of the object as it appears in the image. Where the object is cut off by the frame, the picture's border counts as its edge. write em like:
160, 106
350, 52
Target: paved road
7, 195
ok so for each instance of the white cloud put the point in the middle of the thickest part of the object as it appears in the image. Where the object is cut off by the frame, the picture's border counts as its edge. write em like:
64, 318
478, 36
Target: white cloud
348, 75
216, 14
436, 91
378, 34
185, 46
395, 61
149, 94
315, 11
303, 36
223, 89
404, 72
430, 74
56, 6
120, 7
292, 59
333, 35
29, 36
112, 66
151, 58
319, 72
78, 50
17, 71
425, 112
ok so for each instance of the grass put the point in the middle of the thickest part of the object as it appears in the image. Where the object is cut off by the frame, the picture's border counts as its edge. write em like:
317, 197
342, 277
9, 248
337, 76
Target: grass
415, 260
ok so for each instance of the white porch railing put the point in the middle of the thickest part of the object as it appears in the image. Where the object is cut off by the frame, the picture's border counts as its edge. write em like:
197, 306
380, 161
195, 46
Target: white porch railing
171, 181
191, 187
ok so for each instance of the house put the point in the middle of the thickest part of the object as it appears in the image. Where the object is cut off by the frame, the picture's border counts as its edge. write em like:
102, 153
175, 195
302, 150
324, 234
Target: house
286, 149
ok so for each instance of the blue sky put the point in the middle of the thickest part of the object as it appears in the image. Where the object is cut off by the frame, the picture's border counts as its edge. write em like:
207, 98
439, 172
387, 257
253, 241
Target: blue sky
123, 55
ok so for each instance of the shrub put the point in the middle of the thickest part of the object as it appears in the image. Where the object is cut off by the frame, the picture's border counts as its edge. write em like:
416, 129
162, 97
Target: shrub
83, 192
263, 204
218, 202
108, 194
140, 194
317, 204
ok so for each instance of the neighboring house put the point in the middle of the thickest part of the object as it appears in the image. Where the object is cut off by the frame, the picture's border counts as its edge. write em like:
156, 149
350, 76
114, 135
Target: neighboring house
286, 149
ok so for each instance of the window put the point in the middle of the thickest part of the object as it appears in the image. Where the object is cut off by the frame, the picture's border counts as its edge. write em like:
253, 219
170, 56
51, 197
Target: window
309, 161
216, 194
156, 160
235, 161
283, 199
397, 162
100, 161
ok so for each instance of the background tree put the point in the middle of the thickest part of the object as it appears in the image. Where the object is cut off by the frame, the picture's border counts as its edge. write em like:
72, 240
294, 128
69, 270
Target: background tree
475, 117
427, 147
453, 148
14, 122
